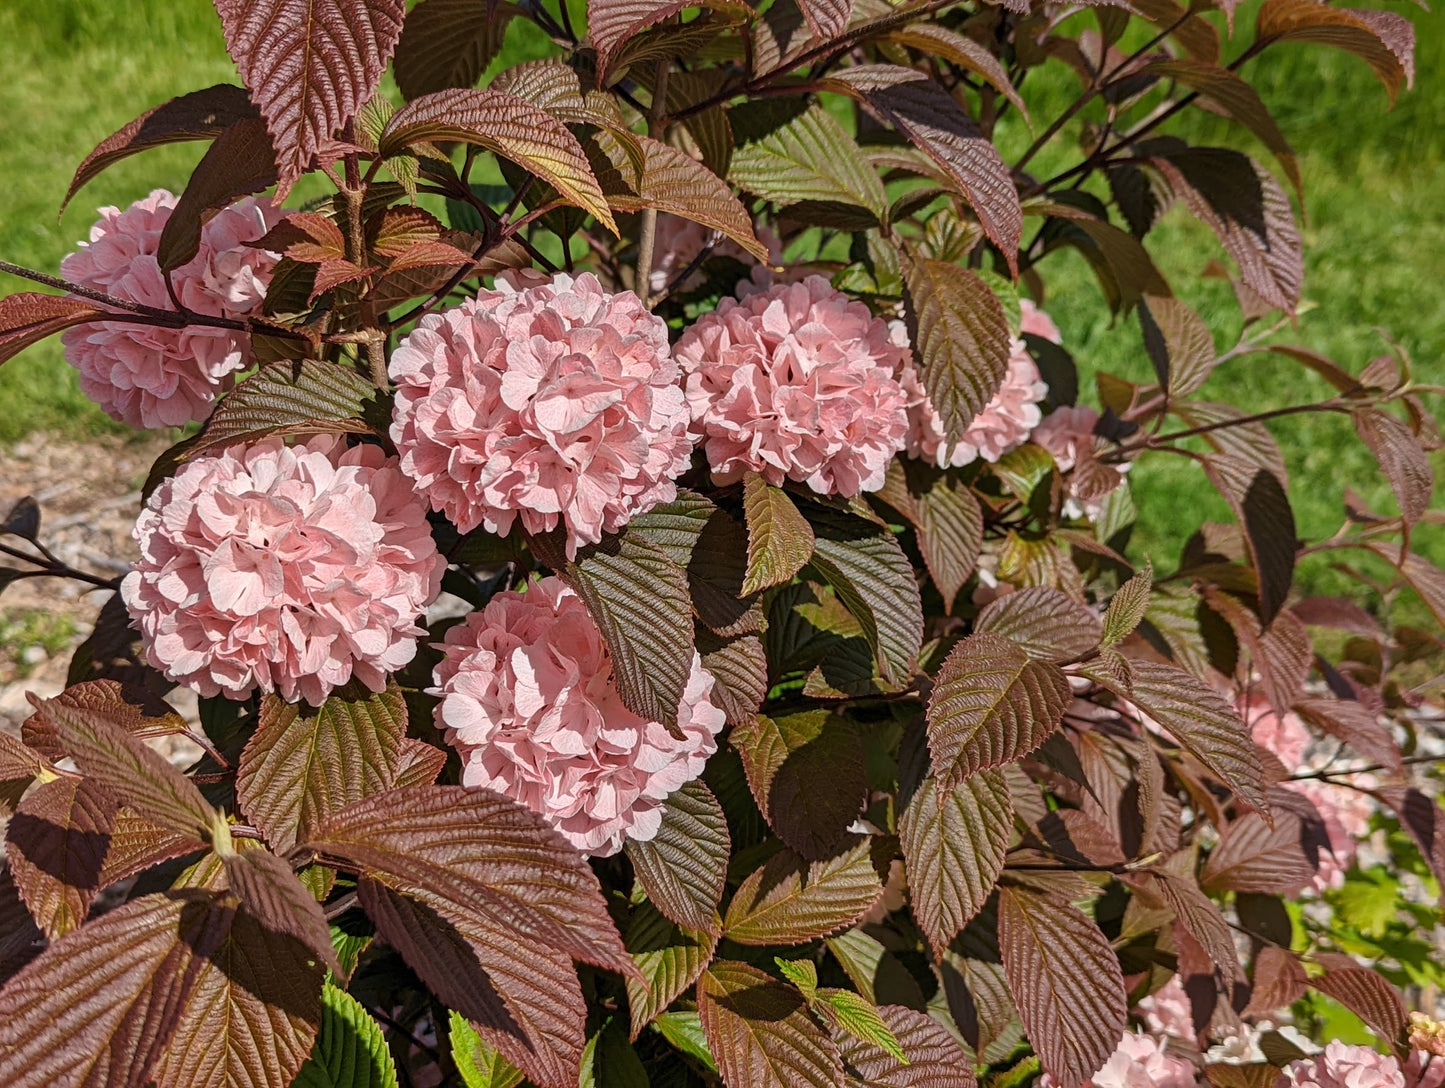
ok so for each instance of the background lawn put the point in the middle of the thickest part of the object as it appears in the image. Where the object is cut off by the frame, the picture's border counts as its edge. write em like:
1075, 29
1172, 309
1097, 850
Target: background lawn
72, 71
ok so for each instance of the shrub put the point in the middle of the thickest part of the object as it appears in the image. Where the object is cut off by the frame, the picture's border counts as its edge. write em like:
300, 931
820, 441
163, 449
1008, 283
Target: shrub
794, 711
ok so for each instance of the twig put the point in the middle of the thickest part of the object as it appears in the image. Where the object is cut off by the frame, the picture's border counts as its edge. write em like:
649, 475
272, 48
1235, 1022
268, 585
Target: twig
647, 240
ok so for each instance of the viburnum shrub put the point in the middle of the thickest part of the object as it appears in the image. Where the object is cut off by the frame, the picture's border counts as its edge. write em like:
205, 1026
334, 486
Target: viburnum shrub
662, 609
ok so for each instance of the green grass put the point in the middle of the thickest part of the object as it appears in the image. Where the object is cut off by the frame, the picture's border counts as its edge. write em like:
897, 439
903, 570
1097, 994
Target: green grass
74, 70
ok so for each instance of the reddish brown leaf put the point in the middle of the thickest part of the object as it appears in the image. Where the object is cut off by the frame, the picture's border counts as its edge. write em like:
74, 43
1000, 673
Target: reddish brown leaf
1279, 981
950, 534
1200, 915
1046, 623
20, 940
992, 704
309, 65
1177, 338
449, 43
239, 162
953, 845
1252, 856
99, 1005
130, 770
1420, 815
1355, 724
272, 894
1065, 981
200, 115
684, 866
932, 40
926, 113
521, 996
418, 763
29, 317
507, 126
610, 23
826, 18
790, 901
760, 1033
1369, 996
935, 1060
1402, 459
303, 766
56, 844
1258, 499
1340, 613
139, 712
1383, 40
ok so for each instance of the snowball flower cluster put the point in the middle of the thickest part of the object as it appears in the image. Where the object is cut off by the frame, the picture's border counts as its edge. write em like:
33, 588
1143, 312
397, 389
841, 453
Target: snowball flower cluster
1169, 1011
554, 402
1005, 421
1345, 812
528, 699
798, 382
145, 375
1344, 1066
1141, 1061
291, 569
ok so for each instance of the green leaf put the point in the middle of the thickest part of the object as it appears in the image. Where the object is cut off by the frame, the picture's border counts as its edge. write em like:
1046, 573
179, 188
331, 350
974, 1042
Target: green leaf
933, 1057
790, 901
780, 540
937, 125
1127, 606
684, 866
953, 845
760, 1033
1046, 623
801, 973
669, 958
785, 759
991, 705
809, 158
1065, 981
350, 1051
857, 1017
302, 766
610, 1061
961, 335
865, 565
449, 43
479, 1064
684, 1031
134, 773
507, 126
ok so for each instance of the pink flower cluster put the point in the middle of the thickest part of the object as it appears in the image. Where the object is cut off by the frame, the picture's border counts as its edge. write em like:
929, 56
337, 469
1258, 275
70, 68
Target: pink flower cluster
554, 402
1345, 812
149, 376
528, 699
1168, 1011
1344, 1066
286, 568
1141, 1061
1005, 421
797, 382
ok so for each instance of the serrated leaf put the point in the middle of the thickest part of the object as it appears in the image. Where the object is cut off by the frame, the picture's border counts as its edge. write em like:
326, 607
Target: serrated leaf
801, 973
1179, 343
302, 766
240, 161
130, 770
479, 1064
669, 958
280, 399
1278, 981
1260, 503
1201, 916
508, 126
350, 1050
1237, 99
309, 66
563, 92
1402, 458
826, 18
1369, 996
1200, 719
449, 43
789, 900
673, 182
855, 1019
961, 336
760, 1033
1355, 724
610, 23
978, 999
1253, 856
991, 705
740, 668
684, 866
953, 845
522, 996
272, 894
1065, 980
473, 853
418, 763
933, 1057
786, 757
1044, 622
56, 844
866, 567
932, 40
949, 530
927, 114
30, 317
1383, 40
1127, 606
683, 1030
809, 158
780, 540
200, 115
